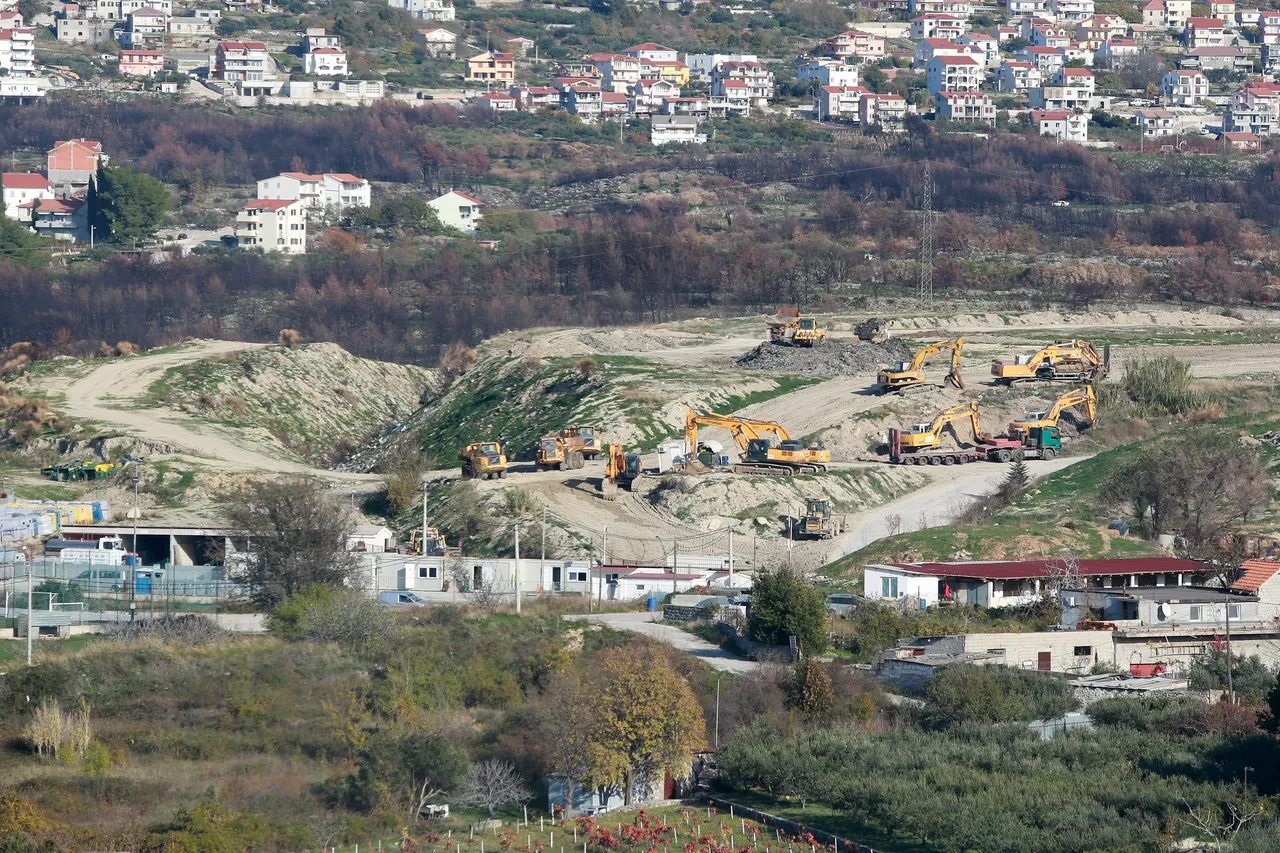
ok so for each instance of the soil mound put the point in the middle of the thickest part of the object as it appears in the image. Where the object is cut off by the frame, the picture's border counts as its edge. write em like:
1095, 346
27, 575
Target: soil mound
829, 358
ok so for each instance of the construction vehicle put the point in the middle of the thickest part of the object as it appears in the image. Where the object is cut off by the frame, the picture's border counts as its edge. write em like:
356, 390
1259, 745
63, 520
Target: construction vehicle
819, 522
583, 439
74, 471
910, 374
760, 454
433, 544
791, 329
874, 330
1080, 397
558, 453
921, 444
622, 469
1039, 442
1061, 361
483, 460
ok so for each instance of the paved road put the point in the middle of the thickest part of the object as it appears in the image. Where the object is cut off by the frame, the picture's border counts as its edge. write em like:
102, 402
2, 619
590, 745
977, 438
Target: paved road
643, 623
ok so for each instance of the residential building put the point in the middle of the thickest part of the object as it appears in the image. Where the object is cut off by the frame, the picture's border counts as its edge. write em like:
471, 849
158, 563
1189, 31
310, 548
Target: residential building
701, 64
1241, 141
1047, 59
344, 190
492, 67
273, 225
887, 112
1183, 87
696, 106
953, 74
11, 20
145, 29
647, 96
458, 210
535, 97
1014, 76
23, 188
78, 28
1057, 98
1061, 125
189, 27
757, 79
984, 48
73, 162
614, 104
959, 8
140, 63
730, 97
498, 102
1167, 14
1258, 96
828, 72
1079, 78
1223, 9
679, 130
64, 219
1154, 122
938, 26
649, 50
1012, 583
971, 107
1077, 52
325, 62
854, 45
1205, 32
584, 101
1116, 53
838, 102
1257, 122
1099, 29
241, 61
427, 10
1050, 36
927, 49
120, 10
1148, 37
618, 72
519, 46
315, 192
22, 88
1027, 8
438, 42
674, 71
18, 52
1269, 27
1070, 11
1230, 59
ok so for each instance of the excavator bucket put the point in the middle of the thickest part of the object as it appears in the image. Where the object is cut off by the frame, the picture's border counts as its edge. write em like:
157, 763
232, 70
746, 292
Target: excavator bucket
954, 380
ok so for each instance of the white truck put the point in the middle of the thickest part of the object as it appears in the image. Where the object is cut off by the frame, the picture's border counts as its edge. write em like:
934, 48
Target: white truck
107, 551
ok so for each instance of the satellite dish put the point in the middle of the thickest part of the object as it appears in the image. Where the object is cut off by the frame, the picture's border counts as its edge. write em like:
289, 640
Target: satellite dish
1162, 612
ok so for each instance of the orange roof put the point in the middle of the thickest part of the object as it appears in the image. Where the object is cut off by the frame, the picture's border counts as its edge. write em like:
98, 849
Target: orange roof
1256, 573
269, 203
24, 181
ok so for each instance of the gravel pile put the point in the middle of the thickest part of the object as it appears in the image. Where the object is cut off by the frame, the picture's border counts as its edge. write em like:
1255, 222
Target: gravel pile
830, 358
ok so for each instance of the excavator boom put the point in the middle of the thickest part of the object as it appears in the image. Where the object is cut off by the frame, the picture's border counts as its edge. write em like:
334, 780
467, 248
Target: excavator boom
1073, 361
911, 374
760, 455
1084, 397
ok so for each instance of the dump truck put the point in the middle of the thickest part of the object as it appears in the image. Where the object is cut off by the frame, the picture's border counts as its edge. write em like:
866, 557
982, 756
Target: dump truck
910, 374
818, 522
583, 439
779, 455
921, 444
483, 460
554, 452
1061, 361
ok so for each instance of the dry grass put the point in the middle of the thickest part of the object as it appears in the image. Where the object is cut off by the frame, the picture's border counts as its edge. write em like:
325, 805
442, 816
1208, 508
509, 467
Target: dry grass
236, 404
347, 394
290, 338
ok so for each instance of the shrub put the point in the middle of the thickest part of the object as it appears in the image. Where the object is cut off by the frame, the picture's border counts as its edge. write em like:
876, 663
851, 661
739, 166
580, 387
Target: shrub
586, 366
964, 693
328, 614
290, 338
1153, 386
783, 606
456, 360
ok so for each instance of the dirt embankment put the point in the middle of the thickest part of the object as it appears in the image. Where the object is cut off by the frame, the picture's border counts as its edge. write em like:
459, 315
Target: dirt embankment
829, 358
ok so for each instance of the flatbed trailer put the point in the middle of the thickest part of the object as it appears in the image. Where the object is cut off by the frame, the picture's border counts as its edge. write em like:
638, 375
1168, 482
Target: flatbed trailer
988, 449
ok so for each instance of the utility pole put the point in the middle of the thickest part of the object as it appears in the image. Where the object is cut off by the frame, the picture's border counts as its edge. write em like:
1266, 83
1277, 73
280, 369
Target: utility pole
517, 568
730, 583
924, 287
29, 612
1231, 693
720, 676
675, 566
542, 560
422, 543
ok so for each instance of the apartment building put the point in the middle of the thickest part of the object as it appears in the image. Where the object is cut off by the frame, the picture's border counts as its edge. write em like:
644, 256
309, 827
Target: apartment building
972, 107
953, 74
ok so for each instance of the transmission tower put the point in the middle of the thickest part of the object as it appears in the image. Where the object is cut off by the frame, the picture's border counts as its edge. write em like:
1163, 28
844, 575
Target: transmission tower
924, 288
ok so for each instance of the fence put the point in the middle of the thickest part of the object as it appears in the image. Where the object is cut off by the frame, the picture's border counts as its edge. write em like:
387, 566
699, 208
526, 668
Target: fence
841, 845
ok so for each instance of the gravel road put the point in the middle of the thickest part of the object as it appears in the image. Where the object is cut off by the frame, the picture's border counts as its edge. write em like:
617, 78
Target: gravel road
643, 623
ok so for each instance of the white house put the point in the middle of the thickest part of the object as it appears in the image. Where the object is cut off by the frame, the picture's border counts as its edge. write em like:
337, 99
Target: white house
1014, 76
927, 49
1070, 11
22, 188
498, 102
679, 130
371, 539
888, 112
332, 189
655, 52
1027, 8
828, 72
458, 210
648, 96
854, 46
18, 52
273, 225
1061, 125
1117, 52
757, 79
953, 74
1047, 59
702, 64
959, 8
971, 106
427, 10
983, 45
1155, 122
838, 102
325, 62
1166, 14
438, 42
938, 26
1184, 87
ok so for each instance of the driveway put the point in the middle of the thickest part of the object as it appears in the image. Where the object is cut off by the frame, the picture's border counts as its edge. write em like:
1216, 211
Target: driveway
644, 623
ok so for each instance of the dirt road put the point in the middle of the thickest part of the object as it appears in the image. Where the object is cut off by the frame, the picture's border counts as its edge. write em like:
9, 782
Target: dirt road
643, 623
111, 394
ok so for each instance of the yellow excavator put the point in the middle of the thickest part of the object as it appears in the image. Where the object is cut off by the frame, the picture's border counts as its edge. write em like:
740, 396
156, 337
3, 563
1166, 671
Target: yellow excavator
910, 374
921, 444
621, 469
760, 454
925, 436
1079, 397
1061, 361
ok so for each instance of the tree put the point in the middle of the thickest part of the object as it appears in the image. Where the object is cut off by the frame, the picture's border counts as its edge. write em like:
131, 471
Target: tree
810, 691
406, 769
20, 244
129, 205
1251, 680
492, 785
782, 606
1015, 482
635, 718
298, 537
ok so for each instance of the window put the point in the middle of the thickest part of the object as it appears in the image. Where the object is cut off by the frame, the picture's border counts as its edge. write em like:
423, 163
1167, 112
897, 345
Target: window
639, 587
1233, 611
1196, 611
889, 587
428, 571
577, 576
1084, 651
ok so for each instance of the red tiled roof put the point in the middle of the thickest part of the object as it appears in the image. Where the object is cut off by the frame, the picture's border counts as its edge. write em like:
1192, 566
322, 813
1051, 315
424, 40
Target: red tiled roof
1012, 63
1240, 136
269, 203
614, 97
650, 46
55, 205
468, 198
935, 43
25, 181
327, 50
1038, 568
1076, 72
302, 176
140, 53
1256, 573
955, 60
1043, 51
1206, 23
92, 144
343, 177
1048, 115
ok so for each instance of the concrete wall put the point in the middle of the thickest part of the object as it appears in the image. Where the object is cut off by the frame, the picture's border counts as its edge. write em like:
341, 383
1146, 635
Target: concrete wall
924, 587
1024, 650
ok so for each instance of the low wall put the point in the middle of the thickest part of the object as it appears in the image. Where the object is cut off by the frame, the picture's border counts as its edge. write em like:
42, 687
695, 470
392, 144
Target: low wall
789, 826
679, 613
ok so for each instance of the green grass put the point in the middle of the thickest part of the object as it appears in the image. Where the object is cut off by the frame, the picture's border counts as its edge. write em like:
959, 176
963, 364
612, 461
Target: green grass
15, 651
1131, 337
828, 819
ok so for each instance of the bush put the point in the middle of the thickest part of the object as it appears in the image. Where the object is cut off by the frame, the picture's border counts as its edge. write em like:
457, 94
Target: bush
331, 615
783, 606
964, 693
1251, 680
1153, 386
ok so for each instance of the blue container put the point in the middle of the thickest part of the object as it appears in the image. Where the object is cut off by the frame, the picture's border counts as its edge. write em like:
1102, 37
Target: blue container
97, 511
653, 604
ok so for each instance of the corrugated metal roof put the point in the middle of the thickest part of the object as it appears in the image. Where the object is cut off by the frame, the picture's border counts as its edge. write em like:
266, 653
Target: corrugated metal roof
1042, 567
1256, 573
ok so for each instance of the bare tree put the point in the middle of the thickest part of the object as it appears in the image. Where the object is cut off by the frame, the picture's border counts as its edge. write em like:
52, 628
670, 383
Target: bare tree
491, 595
492, 785
893, 523
1220, 826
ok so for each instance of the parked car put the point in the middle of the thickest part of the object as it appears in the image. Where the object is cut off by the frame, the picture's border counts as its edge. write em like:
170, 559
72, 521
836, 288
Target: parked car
400, 598
843, 604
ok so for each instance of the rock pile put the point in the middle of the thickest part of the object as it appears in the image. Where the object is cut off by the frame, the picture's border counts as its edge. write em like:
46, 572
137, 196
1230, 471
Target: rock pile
830, 358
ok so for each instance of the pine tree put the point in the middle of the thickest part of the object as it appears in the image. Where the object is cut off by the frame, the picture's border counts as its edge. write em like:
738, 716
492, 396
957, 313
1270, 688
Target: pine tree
1015, 482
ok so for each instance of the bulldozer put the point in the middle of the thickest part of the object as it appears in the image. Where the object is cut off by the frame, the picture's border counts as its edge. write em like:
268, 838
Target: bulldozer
819, 522
433, 544
483, 460
760, 454
583, 439
910, 374
875, 330
790, 330
1084, 397
1061, 361
558, 453
622, 469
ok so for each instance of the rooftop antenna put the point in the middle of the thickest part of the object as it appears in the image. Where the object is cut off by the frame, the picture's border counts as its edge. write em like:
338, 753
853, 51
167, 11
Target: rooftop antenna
924, 288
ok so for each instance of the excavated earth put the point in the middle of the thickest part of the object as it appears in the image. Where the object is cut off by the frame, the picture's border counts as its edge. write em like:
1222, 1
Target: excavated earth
829, 358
